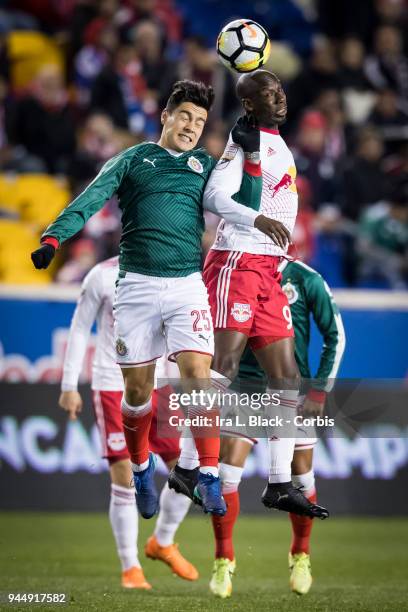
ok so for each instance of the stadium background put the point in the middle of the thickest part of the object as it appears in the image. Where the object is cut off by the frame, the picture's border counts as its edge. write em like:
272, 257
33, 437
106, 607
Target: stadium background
81, 80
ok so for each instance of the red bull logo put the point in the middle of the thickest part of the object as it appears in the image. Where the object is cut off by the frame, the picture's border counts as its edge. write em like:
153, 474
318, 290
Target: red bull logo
285, 182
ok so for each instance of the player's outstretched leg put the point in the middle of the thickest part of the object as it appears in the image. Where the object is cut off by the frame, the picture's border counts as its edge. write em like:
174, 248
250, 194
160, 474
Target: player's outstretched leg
124, 522
195, 374
173, 509
299, 555
223, 526
136, 419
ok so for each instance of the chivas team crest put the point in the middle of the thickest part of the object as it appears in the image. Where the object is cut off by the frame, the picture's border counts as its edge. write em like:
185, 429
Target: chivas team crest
290, 292
195, 164
121, 347
241, 312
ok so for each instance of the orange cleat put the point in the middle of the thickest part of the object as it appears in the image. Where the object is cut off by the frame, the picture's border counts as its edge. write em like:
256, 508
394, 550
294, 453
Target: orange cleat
172, 556
133, 578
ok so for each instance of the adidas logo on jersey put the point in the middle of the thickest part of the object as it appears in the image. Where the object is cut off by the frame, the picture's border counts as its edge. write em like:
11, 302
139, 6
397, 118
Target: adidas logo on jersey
270, 152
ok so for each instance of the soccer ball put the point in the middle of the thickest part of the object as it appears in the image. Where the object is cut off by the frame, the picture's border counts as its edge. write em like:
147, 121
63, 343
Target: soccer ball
243, 45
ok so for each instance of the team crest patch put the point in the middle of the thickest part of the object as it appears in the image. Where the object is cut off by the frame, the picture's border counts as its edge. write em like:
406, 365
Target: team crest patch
230, 151
290, 291
121, 347
116, 441
195, 164
241, 312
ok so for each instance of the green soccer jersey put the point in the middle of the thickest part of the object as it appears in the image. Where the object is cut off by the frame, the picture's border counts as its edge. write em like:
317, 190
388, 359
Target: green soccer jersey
160, 196
308, 294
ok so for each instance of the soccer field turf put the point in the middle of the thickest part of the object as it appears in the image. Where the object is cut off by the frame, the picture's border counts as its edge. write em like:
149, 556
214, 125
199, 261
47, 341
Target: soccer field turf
358, 564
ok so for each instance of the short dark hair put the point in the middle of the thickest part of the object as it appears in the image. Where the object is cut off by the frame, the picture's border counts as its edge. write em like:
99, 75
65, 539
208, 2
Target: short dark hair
190, 91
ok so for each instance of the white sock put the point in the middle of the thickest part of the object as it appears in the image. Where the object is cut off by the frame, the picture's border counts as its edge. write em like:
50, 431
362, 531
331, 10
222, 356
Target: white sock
306, 482
209, 469
230, 477
139, 467
188, 459
173, 509
124, 521
281, 449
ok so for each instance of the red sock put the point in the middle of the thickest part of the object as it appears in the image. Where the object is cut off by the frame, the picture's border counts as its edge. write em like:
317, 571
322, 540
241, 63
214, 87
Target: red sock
223, 527
137, 428
207, 440
301, 530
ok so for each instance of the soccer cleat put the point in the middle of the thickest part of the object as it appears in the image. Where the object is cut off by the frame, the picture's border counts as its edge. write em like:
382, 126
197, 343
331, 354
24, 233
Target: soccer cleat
133, 578
208, 494
172, 556
184, 481
300, 573
147, 498
221, 583
286, 497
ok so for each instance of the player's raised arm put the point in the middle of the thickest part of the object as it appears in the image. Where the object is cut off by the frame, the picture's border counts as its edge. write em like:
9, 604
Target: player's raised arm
329, 323
234, 188
72, 219
85, 314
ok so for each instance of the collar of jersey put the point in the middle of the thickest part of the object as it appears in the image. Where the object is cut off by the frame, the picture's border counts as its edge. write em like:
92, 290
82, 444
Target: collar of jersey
269, 130
171, 152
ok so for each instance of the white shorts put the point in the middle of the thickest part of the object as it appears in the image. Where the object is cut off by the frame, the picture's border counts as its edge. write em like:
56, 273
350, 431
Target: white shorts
154, 315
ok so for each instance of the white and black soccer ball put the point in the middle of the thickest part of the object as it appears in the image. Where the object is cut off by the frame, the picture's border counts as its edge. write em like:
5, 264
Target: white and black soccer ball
243, 45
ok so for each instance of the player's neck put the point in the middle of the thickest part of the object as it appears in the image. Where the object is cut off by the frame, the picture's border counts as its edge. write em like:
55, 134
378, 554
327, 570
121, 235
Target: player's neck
269, 127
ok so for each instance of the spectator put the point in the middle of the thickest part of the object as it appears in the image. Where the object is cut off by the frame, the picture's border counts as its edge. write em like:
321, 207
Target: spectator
387, 67
329, 104
13, 158
383, 240
97, 143
101, 42
158, 72
42, 121
120, 91
390, 120
356, 89
319, 74
312, 160
364, 181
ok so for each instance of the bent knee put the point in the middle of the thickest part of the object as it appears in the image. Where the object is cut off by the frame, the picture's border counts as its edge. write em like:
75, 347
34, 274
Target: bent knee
227, 365
137, 394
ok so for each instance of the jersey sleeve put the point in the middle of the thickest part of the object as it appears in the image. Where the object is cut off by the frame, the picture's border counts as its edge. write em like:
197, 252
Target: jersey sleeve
86, 311
234, 188
329, 323
72, 219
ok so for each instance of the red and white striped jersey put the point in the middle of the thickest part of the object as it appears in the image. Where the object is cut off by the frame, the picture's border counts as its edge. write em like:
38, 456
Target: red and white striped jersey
279, 196
96, 304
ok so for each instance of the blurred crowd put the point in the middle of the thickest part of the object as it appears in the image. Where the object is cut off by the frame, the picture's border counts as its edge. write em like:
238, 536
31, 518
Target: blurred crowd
109, 71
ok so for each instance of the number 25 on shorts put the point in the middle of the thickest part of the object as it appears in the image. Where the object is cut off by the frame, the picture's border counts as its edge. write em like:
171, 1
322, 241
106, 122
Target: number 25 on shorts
201, 321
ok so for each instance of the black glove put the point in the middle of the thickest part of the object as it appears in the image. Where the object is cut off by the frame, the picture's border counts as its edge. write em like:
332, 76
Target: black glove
43, 256
246, 134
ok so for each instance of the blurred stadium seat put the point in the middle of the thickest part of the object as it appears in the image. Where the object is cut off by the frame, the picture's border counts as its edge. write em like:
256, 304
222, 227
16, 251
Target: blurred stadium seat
17, 240
34, 198
31, 202
28, 52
